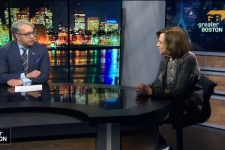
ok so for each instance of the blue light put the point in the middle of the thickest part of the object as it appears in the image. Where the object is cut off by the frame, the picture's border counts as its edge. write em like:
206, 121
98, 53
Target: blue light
111, 21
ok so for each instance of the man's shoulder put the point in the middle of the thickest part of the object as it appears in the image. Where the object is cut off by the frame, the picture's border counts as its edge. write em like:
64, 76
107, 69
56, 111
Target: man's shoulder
8, 45
38, 45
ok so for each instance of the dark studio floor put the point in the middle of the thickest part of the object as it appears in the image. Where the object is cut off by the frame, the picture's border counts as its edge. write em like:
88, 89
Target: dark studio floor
196, 137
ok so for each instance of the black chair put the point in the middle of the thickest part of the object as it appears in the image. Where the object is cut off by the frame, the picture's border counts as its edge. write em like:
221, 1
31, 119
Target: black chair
208, 89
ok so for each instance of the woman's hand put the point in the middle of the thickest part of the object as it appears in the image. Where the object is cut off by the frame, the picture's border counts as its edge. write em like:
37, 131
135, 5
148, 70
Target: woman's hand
143, 89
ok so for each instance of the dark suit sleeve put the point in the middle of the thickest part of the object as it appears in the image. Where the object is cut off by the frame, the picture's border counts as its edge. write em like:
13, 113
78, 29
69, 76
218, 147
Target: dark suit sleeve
42, 63
3, 66
8, 69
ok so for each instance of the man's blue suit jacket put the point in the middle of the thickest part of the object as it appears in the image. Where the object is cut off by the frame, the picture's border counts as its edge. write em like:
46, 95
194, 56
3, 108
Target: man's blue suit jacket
11, 67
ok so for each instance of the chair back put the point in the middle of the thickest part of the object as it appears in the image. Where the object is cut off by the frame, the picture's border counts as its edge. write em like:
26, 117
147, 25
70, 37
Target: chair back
208, 89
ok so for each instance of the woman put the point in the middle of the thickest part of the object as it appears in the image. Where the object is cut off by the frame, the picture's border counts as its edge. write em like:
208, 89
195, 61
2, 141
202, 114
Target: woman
178, 76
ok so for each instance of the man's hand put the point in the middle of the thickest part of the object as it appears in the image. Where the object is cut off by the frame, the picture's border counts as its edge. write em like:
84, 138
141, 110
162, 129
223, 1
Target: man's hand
34, 93
33, 74
15, 82
11, 90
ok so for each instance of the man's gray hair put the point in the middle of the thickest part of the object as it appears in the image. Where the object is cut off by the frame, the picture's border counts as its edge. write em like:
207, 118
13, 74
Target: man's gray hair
15, 28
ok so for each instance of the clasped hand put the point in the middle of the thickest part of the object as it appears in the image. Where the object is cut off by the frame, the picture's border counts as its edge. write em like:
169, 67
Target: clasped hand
18, 82
33, 74
143, 89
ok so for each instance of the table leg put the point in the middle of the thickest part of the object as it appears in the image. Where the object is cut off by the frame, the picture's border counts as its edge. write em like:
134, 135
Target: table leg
108, 136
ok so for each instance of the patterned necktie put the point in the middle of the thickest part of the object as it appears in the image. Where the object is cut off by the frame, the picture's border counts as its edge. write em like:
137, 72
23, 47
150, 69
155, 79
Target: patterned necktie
24, 60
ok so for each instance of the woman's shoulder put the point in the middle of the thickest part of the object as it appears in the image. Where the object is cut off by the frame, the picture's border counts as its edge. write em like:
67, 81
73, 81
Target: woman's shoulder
188, 56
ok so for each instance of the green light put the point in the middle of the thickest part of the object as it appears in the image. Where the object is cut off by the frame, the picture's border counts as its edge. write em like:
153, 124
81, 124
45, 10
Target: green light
95, 61
53, 52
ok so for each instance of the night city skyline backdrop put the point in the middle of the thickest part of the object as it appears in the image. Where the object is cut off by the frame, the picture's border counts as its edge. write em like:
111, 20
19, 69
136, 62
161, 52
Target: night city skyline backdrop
110, 10
87, 23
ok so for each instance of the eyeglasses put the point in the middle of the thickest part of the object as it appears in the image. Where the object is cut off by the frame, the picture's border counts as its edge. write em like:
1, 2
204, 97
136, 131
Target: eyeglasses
28, 34
160, 42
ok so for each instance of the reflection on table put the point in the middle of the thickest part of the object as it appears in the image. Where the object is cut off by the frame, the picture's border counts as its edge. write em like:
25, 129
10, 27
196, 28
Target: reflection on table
8, 94
104, 97
67, 108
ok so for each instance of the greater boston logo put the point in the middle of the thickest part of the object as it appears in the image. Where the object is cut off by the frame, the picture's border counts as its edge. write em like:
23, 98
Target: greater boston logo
215, 17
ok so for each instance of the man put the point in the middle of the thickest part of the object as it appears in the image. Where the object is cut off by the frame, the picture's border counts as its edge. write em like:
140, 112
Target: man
24, 61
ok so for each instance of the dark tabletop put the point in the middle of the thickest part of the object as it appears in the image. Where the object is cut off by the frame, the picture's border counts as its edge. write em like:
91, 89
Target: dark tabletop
89, 102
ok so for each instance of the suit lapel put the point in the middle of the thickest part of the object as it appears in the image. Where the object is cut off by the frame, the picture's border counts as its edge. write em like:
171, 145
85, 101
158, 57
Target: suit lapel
31, 58
15, 53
